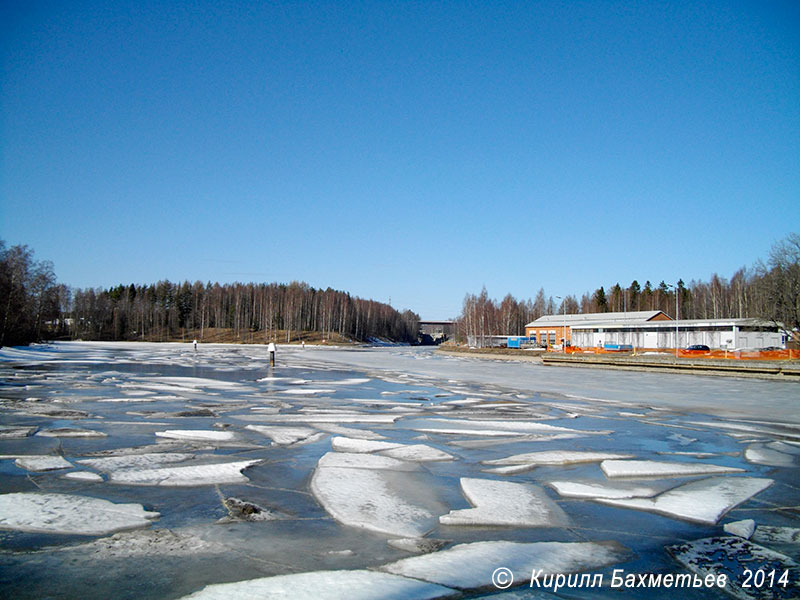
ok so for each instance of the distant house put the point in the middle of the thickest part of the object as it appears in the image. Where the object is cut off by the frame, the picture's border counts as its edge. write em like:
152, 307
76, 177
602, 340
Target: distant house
550, 330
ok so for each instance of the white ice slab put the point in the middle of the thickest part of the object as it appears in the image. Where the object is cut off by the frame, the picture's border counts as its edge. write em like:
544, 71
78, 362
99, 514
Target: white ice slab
704, 501
9, 432
146, 461
760, 454
42, 463
606, 489
345, 444
351, 432
743, 529
512, 427
220, 473
71, 432
69, 514
324, 585
197, 435
418, 453
556, 457
470, 566
322, 418
502, 503
287, 436
347, 460
308, 391
653, 468
83, 476
371, 499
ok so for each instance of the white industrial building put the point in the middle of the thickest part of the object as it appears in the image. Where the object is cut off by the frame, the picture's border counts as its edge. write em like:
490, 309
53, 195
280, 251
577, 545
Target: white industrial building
730, 334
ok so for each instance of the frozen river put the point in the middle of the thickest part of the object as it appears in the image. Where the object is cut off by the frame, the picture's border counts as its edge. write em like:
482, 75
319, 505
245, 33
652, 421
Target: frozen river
158, 471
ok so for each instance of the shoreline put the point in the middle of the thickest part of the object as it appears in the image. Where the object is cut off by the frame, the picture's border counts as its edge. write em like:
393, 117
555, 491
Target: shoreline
771, 370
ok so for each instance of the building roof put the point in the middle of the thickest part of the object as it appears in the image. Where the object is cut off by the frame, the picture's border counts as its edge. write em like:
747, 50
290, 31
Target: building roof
632, 317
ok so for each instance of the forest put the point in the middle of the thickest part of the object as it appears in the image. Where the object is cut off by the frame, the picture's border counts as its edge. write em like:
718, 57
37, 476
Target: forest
769, 291
36, 307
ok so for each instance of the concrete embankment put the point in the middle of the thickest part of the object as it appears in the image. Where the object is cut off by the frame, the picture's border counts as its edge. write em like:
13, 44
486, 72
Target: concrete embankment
781, 370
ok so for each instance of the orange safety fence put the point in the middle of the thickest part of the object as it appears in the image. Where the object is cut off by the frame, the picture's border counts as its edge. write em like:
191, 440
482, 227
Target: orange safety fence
715, 354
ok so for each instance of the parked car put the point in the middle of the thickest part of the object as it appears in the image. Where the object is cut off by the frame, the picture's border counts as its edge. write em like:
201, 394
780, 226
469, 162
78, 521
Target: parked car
698, 348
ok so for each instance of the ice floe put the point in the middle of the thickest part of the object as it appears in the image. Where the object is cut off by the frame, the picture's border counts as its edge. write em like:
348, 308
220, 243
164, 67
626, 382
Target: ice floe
325, 585
185, 476
606, 489
9, 432
287, 436
130, 461
83, 476
502, 503
69, 514
762, 454
470, 566
556, 457
349, 460
730, 556
743, 528
345, 444
417, 453
197, 435
653, 468
704, 501
369, 493
42, 463
69, 432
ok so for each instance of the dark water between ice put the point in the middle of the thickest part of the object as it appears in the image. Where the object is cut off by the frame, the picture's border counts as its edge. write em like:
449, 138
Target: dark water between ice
70, 385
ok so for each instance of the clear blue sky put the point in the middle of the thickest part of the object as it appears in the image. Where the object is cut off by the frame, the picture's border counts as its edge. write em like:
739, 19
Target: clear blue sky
406, 150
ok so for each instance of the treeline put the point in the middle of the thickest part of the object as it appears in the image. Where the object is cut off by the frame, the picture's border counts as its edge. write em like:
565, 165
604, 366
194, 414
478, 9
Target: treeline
768, 291
164, 310
29, 296
35, 307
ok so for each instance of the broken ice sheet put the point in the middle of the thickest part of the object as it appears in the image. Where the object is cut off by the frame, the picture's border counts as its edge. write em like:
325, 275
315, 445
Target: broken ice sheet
502, 503
470, 566
731, 556
653, 468
287, 436
69, 514
185, 476
606, 489
70, 432
42, 463
383, 498
146, 461
325, 585
556, 457
762, 454
704, 501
